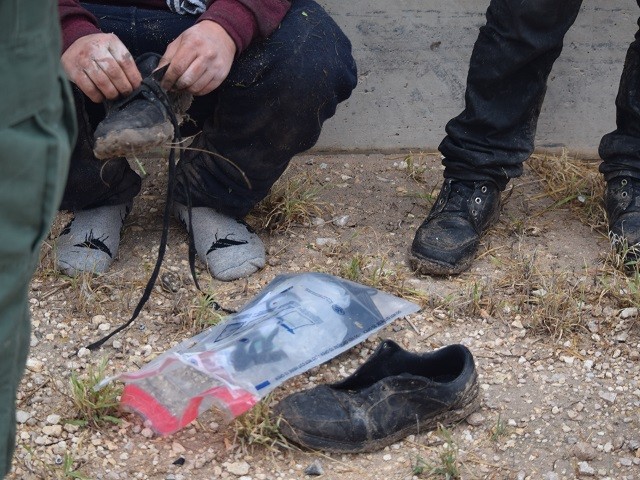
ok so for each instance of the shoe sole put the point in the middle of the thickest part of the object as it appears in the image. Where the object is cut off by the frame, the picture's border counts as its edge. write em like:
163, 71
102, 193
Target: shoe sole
426, 266
426, 424
132, 141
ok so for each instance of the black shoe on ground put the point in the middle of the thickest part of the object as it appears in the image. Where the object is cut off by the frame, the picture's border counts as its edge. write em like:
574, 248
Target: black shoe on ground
142, 120
447, 241
395, 393
622, 204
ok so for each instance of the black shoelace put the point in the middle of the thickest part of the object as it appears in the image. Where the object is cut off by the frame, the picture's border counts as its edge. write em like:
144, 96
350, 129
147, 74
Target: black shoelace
152, 83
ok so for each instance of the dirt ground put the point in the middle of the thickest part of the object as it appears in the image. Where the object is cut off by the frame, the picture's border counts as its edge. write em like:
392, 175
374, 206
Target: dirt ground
551, 323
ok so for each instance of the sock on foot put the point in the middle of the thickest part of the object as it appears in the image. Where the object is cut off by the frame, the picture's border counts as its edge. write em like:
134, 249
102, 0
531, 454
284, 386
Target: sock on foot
229, 247
89, 243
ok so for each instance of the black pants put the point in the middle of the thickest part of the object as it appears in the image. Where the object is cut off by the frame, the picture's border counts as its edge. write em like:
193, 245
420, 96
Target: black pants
271, 107
507, 79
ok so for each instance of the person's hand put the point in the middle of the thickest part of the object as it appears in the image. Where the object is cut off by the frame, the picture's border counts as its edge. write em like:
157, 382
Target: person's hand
200, 59
101, 66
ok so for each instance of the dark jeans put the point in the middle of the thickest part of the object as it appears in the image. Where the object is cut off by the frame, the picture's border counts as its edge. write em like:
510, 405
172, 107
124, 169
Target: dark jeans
506, 84
271, 107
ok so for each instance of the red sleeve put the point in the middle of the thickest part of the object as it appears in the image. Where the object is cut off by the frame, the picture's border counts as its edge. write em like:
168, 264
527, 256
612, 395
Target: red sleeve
245, 20
75, 22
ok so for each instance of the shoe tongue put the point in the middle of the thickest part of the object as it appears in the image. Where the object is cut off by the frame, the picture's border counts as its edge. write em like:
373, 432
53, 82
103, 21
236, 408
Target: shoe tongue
458, 197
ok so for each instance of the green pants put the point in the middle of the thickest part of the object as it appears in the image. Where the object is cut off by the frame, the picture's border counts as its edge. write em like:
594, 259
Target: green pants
37, 129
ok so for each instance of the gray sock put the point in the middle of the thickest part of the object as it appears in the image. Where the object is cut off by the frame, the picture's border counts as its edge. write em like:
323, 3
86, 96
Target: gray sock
229, 248
89, 243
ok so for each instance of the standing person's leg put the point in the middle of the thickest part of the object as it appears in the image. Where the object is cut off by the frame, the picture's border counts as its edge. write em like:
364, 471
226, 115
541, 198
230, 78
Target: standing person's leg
271, 107
36, 130
620, 153
487, 143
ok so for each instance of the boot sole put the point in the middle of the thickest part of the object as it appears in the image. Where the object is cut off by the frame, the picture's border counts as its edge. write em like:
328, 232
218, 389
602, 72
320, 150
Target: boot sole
420, 426
426, 266
132, 141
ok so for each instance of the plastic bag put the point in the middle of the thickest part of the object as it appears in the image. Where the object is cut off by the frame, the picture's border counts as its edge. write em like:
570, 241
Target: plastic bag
295, 323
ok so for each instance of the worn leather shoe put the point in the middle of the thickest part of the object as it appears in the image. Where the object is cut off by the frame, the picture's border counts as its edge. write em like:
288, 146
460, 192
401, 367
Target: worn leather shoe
622, 204
447, 241
142, 120
395, 393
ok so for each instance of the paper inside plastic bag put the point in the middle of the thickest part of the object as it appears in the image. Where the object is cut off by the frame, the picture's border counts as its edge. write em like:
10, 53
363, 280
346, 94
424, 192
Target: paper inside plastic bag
295, 323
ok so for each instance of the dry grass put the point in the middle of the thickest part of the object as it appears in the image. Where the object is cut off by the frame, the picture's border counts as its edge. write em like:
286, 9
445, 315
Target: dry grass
293, 200
575, 183
258, 427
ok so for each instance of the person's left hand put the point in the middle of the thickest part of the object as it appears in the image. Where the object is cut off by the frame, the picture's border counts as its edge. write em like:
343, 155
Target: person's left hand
200, 59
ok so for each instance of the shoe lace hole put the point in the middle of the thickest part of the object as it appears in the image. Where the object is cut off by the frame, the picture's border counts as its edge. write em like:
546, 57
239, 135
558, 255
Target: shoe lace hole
624, 194
623, 182
441, 201
484, 189
478, 200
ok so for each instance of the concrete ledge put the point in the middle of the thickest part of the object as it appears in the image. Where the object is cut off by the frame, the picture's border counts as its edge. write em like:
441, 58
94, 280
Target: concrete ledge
413, 57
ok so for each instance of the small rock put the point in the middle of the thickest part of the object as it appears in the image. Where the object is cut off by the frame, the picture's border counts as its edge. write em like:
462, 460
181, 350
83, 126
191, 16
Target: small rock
585, 469
147, 432
551, 476
22, 416
321, 242
237, 468
608, 396
315, 469
35, 365
629, 312
341, 221
53, 419
83, 352
103, 327
98, 319
52, 430
475, 419
584, 451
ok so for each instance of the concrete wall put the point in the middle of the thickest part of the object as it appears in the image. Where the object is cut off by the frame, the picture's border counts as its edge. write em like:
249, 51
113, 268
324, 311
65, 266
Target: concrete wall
413, 56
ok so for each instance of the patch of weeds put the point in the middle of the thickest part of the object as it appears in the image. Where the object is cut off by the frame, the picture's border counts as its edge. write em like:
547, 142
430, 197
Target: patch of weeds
292, 201
447, 466
499, 430
58, 468
416, 169
354, 268
555, 304
373, 271
623, 257
202, 312
575, 183
69, 470
94, 407
258, 427
551, 301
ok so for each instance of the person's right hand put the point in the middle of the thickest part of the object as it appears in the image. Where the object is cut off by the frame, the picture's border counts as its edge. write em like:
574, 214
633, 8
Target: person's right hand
101, 66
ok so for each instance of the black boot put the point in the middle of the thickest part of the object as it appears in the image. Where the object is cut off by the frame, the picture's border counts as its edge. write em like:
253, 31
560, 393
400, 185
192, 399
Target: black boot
447, 241
622, 204
142, 120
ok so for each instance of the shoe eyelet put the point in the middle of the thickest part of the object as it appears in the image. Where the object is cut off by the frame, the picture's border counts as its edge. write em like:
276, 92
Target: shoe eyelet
623, 182
474, 213
478, 200
440, 201
624, 194
484, 189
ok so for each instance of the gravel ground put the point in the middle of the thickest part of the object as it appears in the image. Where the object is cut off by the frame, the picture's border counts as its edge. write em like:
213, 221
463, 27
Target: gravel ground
552, 325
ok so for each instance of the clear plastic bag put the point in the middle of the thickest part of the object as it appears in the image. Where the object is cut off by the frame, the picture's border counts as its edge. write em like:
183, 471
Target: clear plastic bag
295, 323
